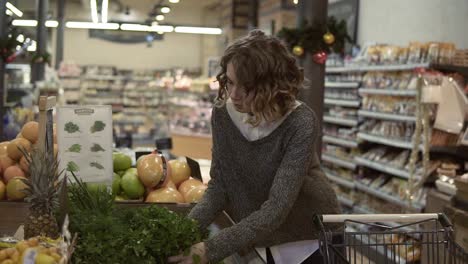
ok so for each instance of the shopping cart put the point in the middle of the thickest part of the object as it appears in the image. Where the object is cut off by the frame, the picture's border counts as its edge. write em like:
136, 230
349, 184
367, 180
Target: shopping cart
388, 238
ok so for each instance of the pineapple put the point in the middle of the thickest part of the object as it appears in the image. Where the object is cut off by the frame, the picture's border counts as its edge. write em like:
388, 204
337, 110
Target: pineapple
42, 193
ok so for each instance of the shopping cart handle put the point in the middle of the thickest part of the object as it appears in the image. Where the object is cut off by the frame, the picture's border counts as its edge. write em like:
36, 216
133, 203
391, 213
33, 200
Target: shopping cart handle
372, 218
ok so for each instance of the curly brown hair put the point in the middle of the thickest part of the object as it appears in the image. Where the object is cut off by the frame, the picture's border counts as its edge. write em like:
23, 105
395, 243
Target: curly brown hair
263, 66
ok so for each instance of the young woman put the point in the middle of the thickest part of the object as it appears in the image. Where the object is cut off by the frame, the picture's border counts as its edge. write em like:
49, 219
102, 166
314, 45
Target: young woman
265, 171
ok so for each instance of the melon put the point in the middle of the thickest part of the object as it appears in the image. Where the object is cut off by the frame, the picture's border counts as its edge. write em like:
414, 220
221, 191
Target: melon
188, 185
3, 148
195, 194
15, 189
150, 170
180, 171
30, 131
12, 172
13, 148
164, 195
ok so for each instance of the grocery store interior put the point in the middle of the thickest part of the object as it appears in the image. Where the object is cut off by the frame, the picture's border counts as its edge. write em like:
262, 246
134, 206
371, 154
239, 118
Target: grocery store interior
388, 81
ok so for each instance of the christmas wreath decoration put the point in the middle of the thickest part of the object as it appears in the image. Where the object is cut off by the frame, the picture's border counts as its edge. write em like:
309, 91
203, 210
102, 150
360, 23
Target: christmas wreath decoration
317, 39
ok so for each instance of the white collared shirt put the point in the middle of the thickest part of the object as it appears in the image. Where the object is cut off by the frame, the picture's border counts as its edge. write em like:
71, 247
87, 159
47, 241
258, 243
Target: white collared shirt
287, 253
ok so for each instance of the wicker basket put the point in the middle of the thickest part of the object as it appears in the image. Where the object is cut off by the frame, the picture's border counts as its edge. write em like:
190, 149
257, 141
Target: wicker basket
461, 58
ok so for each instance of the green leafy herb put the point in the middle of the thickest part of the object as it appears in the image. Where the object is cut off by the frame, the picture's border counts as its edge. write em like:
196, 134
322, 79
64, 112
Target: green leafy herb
97, 165
96, 148
72, 166
98, 126
75, 148
71, 127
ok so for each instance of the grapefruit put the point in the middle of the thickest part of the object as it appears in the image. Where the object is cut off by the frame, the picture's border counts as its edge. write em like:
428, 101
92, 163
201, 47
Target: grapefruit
13, 148
3, 147
131, 185
15, 189
165, 195
121, 161
116, 189
188, 185
180, 171
195, 194
12, 172
2, 190
150, 170
30, 131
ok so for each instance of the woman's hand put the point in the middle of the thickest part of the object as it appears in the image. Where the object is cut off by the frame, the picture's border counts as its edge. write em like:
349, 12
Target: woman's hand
197, 251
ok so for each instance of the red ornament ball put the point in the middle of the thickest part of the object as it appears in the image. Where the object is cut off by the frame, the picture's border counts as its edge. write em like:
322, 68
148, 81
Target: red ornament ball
320, 57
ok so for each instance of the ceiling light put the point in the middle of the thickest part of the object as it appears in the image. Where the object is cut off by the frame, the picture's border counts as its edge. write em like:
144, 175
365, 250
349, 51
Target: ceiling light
90, 25
160, 17
104, 10
51, 23
94, 13
13, 9
165, 9
154, 23
296, 1
8, 12
20, 38
135, 27
174, 1
146, 28
199, 30
33, 46
160, 32
162, 28
24, 23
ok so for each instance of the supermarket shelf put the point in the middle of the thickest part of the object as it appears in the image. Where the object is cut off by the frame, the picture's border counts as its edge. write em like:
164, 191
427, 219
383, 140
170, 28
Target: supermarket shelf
345, 201
401, 67
385, 141
395, 92
387, 197
340, 141
338, 161
340, 121
382, 167
346, 85
386, 116
349, 103
104, 77
339, 180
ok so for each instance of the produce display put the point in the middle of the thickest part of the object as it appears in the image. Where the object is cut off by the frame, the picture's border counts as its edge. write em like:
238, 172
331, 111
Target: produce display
154, 180
35, 250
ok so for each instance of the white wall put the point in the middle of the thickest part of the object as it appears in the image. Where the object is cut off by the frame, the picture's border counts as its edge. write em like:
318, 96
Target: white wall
401, 21
176, 50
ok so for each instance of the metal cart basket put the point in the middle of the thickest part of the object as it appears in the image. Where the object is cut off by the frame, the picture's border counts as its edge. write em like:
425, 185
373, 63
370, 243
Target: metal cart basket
388, 238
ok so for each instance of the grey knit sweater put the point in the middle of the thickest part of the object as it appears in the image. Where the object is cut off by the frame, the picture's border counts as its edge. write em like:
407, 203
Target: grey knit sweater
271, 187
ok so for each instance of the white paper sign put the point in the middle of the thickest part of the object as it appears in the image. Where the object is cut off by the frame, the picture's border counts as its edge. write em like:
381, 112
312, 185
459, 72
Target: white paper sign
84, 135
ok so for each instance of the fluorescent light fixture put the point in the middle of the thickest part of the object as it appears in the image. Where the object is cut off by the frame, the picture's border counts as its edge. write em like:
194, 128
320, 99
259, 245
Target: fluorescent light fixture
8, 12
13, 9
174, 1
104, 10
94, 13
20, 38
162, 28
146, 28
296, 1
199, 30
33, 23
154, 23
135, 27
160, 17
51, 23
165, 9
90, 25
160, 32
33, 46
24, 23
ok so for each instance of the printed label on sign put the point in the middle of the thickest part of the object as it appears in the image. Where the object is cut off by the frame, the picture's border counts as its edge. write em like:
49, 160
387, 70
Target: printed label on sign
84, 135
